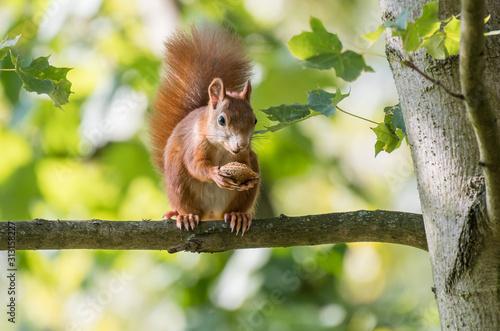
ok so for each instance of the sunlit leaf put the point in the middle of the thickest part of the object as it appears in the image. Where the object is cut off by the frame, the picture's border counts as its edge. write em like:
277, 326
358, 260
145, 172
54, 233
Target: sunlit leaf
374, 35
322, 50
428, 23
7, 44
317, 42
423, 27
452, 41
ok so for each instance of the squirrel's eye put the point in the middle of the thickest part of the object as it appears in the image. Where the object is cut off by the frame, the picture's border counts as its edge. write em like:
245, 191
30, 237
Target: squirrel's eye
255, 121
221, 120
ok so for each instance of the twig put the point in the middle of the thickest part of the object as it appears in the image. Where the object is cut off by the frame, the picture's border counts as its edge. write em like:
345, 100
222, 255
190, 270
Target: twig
412, 65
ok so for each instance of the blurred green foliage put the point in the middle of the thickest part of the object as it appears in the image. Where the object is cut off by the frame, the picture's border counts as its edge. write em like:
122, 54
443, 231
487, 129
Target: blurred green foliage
91, 161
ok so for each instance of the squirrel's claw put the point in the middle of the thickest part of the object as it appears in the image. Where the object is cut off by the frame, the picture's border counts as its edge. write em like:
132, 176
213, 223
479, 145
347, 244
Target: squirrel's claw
169, 214
240, 221
189, 221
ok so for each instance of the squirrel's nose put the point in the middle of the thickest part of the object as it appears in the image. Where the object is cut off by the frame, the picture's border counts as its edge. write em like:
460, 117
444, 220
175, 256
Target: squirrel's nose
237, 145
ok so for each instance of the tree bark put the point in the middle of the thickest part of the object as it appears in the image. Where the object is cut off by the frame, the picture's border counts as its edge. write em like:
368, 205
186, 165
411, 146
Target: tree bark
463, 248
378, 225
483, 117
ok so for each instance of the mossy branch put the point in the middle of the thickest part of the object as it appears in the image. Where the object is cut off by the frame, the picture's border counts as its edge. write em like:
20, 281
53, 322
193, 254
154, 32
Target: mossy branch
358, 226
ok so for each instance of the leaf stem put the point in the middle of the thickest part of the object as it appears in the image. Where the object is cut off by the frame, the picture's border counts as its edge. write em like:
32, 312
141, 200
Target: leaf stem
371, 53
1, 69
362, 118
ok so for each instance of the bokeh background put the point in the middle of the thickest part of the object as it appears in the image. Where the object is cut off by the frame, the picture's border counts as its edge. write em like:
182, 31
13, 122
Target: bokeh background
91, 160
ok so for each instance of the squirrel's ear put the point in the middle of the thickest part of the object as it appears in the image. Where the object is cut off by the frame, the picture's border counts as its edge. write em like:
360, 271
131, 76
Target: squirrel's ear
245, 94
216, 92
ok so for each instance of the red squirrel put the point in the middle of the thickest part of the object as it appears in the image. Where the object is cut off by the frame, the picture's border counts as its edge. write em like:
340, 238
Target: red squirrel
202, 121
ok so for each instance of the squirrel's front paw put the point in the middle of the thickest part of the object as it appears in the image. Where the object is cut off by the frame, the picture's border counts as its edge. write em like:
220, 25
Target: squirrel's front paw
223, 181
248, 184
239, 220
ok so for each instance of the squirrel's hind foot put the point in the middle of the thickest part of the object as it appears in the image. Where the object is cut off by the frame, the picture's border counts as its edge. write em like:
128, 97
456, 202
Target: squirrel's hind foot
239, 220
188, 221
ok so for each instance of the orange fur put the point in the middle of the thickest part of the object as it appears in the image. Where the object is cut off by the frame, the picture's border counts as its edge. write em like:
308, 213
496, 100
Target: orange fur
193, 58
205, 70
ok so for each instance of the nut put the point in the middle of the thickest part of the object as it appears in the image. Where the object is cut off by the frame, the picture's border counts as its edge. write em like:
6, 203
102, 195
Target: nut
239, 172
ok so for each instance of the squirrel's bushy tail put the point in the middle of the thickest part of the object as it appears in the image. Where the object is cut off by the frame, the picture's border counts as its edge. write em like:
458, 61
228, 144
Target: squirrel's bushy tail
193, 59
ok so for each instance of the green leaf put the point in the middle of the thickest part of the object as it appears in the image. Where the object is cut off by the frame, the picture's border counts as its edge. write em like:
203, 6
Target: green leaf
347, 65
323, 50
319, 101
324, 102
411, 41
326, 61
338, 96
379, 146
435, 46
317, 42
287, 113
452, 41
423, 27
398, 120
7, 44
374, 35
428, 23
394, 118
353, 65
319, 97
274, 128
40, 77
386, 139
392, 132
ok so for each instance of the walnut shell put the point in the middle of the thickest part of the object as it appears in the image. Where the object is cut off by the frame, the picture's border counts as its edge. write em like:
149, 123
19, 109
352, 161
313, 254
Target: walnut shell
239, 172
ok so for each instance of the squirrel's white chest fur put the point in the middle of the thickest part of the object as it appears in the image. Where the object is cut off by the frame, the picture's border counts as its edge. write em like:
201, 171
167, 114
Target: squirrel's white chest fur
215, 200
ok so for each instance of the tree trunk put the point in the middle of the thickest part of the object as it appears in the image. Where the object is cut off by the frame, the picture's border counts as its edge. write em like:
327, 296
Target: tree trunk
464, 246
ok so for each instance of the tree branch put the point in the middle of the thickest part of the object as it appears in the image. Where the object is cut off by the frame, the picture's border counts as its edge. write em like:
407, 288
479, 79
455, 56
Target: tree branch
412, 65
481, 114
358, 226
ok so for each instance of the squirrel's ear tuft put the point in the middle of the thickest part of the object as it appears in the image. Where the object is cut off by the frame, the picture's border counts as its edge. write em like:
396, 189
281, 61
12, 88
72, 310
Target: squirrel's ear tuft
216, 92
247, 90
